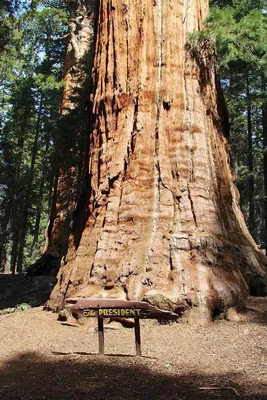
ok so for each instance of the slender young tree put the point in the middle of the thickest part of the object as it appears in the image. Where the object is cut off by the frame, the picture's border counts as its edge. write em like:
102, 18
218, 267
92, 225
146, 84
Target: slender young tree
264, 125
164, 222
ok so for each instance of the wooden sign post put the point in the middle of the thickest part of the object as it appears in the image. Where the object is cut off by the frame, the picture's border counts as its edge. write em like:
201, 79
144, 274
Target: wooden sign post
137, 337
109, 308
101, 341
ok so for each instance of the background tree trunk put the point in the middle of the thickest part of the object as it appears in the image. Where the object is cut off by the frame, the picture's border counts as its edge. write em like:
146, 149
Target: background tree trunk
251, 194
28, 190
264, 125
164, 220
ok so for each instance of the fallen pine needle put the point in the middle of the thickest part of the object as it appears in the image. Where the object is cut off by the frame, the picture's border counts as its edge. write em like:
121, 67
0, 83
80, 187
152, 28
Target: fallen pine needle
232, 380
220, 388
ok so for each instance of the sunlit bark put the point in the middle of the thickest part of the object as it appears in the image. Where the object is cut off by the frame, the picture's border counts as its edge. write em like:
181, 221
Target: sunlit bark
164, 219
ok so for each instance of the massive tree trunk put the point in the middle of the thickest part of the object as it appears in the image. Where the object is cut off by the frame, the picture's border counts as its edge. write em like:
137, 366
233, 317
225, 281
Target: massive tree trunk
164, 221
72, 141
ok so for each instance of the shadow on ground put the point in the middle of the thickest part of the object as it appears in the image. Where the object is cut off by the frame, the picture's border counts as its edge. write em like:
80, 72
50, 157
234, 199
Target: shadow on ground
30, 376
18, 289
255, 310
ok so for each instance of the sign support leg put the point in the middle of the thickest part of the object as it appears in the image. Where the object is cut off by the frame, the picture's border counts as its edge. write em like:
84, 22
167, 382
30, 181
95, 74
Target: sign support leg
137, 337
100, 335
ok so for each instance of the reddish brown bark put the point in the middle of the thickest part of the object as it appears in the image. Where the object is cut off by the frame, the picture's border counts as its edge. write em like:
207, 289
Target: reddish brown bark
164, 219
72, 152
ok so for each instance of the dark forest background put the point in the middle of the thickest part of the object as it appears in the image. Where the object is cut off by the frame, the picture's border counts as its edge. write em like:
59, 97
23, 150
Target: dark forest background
34, 134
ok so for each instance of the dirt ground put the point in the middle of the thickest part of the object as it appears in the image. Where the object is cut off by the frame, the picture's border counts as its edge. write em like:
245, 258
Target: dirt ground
42, 358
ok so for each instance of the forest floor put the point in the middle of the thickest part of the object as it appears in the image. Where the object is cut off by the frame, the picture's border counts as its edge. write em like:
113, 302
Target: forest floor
42, 358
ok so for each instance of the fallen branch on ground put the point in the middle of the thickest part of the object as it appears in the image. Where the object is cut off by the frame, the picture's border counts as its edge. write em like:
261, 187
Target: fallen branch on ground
220, 388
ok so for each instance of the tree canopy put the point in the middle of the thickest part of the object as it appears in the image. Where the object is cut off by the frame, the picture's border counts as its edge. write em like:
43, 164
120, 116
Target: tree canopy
239, 29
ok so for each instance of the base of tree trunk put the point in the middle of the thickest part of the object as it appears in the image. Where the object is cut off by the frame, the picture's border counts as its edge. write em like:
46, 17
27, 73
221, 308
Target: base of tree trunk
164, 220
210, 277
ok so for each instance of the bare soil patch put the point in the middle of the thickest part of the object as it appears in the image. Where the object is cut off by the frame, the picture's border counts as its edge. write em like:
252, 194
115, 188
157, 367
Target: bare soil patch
41, 358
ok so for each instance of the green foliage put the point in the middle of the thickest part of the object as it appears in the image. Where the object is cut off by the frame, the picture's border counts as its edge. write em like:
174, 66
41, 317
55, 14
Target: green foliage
31, 64
239, 28
238, 41
22, 307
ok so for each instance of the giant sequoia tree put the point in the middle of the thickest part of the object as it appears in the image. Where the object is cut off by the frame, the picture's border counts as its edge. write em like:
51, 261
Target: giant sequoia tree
164, 222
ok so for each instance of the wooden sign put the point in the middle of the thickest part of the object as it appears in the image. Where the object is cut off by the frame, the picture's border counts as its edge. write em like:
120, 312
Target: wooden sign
112, 312
113, 308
